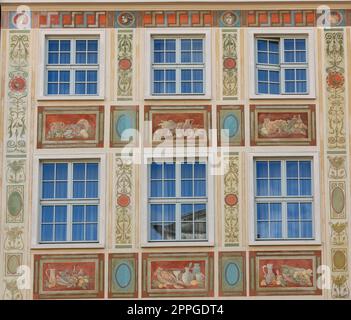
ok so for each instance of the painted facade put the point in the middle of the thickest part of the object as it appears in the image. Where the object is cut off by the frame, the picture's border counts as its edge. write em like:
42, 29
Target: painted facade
122, 262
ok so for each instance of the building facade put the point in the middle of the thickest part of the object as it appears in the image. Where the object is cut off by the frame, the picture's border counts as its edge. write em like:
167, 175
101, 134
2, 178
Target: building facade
175, 149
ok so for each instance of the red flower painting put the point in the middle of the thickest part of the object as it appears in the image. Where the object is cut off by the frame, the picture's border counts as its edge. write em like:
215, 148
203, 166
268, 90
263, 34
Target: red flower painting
335, 80
17, 84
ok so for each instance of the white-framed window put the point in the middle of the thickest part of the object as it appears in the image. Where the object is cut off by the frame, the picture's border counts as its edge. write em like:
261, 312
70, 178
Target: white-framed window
179, 205
178, 64
283, 64
284, 201
69, 204
72, 64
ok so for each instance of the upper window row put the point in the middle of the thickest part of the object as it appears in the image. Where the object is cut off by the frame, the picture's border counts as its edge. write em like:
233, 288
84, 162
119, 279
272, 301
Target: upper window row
179, 65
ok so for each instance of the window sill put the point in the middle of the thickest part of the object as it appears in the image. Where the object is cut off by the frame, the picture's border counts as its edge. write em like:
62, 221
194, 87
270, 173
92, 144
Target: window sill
68, 246
283, 96
286, 243
180, 97
177, 244
51, 98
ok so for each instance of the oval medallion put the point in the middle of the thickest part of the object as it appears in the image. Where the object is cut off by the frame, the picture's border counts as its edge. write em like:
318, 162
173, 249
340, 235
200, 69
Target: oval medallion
338, 200
231, 125
14, 203
123, 200
232, 274
124, 122
123, 275
13, 262
339, 259
231, 200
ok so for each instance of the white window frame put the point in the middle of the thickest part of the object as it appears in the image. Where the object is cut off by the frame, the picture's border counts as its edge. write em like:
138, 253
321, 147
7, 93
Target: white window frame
36, 212
180, 33
71, 34
314, 157
283, 33
145, 214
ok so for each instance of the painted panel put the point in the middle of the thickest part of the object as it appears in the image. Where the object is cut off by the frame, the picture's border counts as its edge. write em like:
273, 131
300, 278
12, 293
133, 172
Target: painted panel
12, 262
337, 199
68, 276
339, 259
232, 279
125, 63
231, 120
230, 43
178, 274
15, 204
283, 125
284, 273
70, 127
169, 124
123, 275
124, 118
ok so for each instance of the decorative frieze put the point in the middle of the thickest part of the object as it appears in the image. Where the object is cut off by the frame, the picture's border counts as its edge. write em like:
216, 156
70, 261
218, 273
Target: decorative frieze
230, 64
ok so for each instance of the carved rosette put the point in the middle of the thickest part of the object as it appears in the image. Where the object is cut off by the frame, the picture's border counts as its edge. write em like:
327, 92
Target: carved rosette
230, 201
230, 64
123, 201
125, 64
337, 162
15, 143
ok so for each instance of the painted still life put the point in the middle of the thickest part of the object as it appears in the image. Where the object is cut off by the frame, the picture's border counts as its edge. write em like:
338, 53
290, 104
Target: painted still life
232, 274
68, 276
70, 127
291, 125
170, 123
123, 275
124, 126
178, 274
230, 125
285, 273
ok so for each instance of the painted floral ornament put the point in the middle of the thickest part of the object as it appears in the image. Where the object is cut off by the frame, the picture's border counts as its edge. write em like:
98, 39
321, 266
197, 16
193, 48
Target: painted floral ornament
17, 84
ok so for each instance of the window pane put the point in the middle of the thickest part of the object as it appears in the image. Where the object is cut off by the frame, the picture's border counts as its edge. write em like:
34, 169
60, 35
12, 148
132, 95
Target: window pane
262, 87
200, 230
187, 212
92, 88
78, 214
300, 44
306, 211
48, 190
300, 74
53, 45
187, 230
275, 211
301, 86
92, 189
292, 186
80, 76
290, 87
169, 212
262, 187
64, 88
305, 169
274, 89
187, 188
274, 169
262, 45
292, 169
53, 58
170, 57
52, 88
92, 58
79, 171
92, 45
262, 169
60, 232
274, 76
169, 188
80, 88
301, 56
92, 171
65, 58
158, 57
156, 212
52, 76
262, 211
81, 58
275, 187
92, 76
81, 45
306, 229
78, 189
186, 75
187, 170
169, 231
156, 188
61, 190
48, 171
169, 169
200, 212
305, 187
288, 44
200, 188
170, 87
262, 57
293, 230
197, 75
61, 171
289, 56
289, 74
158, 44
262, 230
276, 230
293, 211
156, 232
78, 232
91, 232
262, 75
170, 75
47, 214
158, 75
273, 46
170, 44
274, 58
186, 87
47, 232
200, 170
156, 171
92, 213
185, 44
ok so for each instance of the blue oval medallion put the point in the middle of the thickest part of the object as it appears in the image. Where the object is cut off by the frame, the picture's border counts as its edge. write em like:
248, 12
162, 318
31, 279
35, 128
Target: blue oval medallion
231, 123
123, 275
124, 122
232, 274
